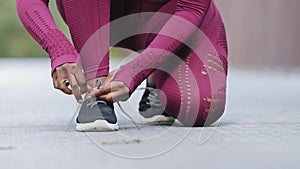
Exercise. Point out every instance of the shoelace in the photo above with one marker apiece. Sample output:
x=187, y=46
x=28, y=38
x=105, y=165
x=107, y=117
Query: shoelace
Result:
x=95, y=102
x=153, y=97
x=128, y=116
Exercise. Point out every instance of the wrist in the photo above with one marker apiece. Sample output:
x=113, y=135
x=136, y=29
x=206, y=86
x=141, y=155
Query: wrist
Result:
x=62, y=60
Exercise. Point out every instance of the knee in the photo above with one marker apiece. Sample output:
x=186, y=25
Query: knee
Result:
x=211, y=115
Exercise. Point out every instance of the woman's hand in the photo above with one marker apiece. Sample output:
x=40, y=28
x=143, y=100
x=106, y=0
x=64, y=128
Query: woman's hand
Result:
x=112, y=91
x=70, y=75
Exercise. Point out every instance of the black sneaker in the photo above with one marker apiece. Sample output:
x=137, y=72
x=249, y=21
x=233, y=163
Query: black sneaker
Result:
x=96, y=115
x=144, y=103
x=151, y=108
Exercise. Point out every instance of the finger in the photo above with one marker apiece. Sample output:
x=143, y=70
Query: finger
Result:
x=63, y=86
x=54, y=80
x=80, y=78
x=65, y=89
x=75, y=88
x=110, y=77
x=115, y=96
x=108, y=97
x=55, y=84
x=61, y=79
x=103, y=90
x=90, y=94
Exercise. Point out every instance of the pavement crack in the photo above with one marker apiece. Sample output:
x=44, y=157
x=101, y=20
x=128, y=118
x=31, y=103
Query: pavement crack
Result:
x=122, y=142
x=2, y=148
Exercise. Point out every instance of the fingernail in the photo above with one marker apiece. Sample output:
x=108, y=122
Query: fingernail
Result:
x=80, y=101
x=89, y=87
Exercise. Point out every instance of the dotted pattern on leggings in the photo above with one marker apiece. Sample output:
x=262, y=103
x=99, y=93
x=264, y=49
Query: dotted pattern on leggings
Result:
x=183, y=74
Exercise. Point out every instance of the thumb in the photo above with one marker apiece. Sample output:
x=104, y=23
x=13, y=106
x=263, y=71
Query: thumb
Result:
x=110, y=77
x=103, y=90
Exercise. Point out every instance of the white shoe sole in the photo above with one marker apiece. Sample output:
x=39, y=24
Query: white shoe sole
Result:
x=98, y=125
x=159, y=119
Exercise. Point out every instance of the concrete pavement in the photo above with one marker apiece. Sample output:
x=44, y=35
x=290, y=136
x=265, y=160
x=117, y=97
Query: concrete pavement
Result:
x=260, y=129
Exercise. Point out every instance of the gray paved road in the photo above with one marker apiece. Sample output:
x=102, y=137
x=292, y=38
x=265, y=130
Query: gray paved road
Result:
x=260, y=129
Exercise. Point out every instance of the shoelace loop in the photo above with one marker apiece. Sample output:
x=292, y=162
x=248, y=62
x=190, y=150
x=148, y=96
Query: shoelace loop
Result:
x=152, y=97
x=93, y=102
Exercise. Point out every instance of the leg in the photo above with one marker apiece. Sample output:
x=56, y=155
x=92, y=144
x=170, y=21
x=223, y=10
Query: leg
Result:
x=194, y=104
x=195, y=89
x=85, y=19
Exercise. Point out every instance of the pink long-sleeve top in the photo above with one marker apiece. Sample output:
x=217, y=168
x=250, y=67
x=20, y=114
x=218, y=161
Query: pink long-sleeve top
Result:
x=38, y=20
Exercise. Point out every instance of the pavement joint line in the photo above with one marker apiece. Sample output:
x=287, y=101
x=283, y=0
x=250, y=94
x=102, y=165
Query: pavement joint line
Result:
x=220, y=124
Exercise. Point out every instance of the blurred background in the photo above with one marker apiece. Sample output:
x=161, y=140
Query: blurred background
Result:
x=262, y=34
x=37, y=123
x=15, y=42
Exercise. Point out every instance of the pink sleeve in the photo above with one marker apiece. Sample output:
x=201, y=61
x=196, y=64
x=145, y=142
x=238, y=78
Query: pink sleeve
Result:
x=133, y=73
x=38, y=21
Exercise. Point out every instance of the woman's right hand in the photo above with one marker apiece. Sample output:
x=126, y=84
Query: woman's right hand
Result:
x=70, y=75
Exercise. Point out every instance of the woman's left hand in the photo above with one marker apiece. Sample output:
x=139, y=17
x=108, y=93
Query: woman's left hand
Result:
x=112, y=91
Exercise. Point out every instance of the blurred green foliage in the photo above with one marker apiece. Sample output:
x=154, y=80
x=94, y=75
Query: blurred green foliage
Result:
x=14, y=39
